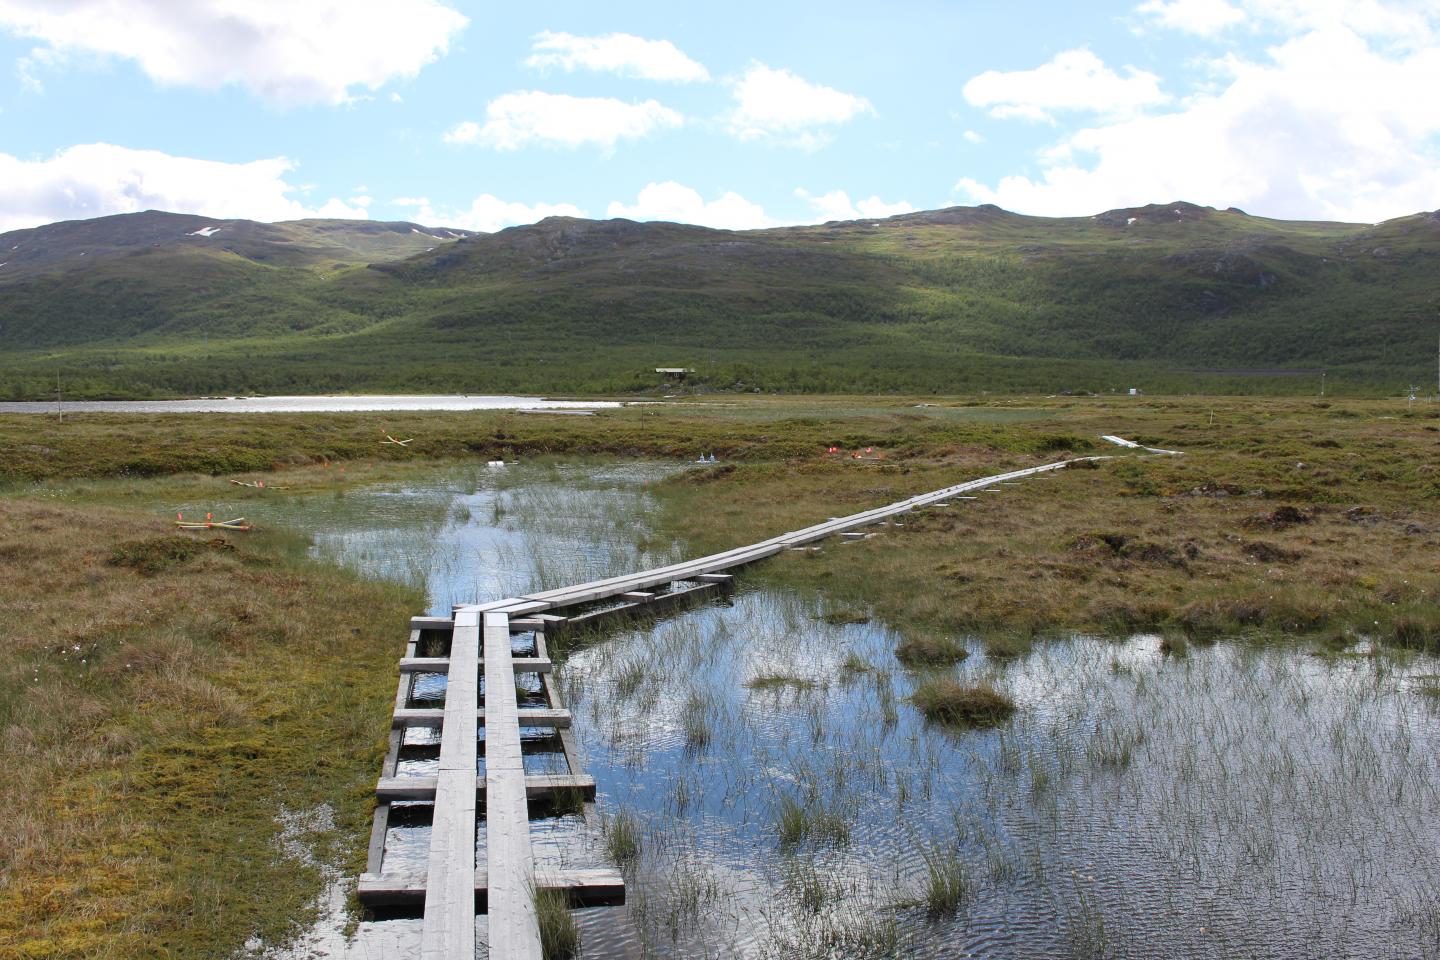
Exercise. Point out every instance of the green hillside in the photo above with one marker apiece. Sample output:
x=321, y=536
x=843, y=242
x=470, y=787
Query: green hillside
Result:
x=1163, y=297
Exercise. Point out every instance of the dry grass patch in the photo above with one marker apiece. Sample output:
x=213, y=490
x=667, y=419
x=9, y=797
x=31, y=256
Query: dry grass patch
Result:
x=1258, y=529
x=163, y=701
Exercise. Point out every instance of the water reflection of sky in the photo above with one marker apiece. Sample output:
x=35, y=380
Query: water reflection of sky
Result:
x=477, y=533
x=1241, y=801
x=1267, y=804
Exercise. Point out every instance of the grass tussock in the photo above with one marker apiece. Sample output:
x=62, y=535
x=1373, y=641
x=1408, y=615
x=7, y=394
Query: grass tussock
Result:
x=559, y=933
x=948, y=884
x=797, y=823
x=623, y=837
x=775, y=680
x=948, y=701
x=930, y=650
x=1174, y=645
x=1009, y=644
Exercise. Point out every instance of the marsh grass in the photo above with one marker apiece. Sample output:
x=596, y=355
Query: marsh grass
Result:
x=136, y=697
x=797, y=823
x=930, y=650
x=1174, y=645
x=623, y=837
x=947, y=881
x=1009, y=644
x=1086, y=935
x=1114, y=749
x=695, y=720
x=810, y=889
x=559, y=933
x=774, y=680
x=845, y=616
x=1007, y=567
x=946, y=700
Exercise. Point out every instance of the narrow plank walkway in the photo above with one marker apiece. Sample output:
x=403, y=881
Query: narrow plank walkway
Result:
x=481, y=634
x=514, y=931
x=450, y=882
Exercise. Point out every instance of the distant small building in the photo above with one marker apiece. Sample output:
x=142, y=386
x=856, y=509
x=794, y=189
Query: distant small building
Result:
x=674, y=373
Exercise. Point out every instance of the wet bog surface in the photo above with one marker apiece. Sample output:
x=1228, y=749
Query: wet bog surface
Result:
x=790, y=801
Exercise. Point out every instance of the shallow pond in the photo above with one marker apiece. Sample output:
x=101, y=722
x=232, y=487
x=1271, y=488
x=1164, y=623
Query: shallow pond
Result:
x=791, y=802
x=310, y=404
x=477, y=533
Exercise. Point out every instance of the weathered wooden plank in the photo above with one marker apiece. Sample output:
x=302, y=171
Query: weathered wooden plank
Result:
x=449, y=930
x=513, y=927
x=432, y=623
x=584, y=887
x=442, y=664
x=536, y=785
x=430, y=716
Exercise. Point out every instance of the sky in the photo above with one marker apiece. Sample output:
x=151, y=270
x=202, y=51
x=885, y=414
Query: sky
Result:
x=740, y=114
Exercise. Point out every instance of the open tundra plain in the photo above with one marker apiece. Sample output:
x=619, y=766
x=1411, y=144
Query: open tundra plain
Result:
x=1182, y=704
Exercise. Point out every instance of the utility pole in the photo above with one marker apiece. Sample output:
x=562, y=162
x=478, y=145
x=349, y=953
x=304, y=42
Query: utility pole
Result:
x=59, y=410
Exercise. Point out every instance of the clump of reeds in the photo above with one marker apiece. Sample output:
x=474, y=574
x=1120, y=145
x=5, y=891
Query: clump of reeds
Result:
x=1415, y=633
x=1174, y=645
x=695, y=720
x=559, y=934
x=947, y=700
x=797, y=822
x=947, y=884
x=808, y=887
x=775, y=680
x=1008, y=644
x=845, y=617
x=623, y=837
x=930, y=650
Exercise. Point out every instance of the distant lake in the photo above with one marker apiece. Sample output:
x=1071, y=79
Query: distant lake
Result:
x=348, y=404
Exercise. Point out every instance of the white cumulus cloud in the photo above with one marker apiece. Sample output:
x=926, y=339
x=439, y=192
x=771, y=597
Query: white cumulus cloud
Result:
x=622, y=53
x=836, y=205
x=676, y=202
x=777, y=105
x=97, y=179
x=518, y=119
x=315, y=51
x=1289, y=136
x=1073, y=80
x=486, y=213
x=1202, y=17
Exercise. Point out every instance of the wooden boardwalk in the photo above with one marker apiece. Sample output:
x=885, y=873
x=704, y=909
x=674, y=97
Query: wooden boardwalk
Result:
x=479, y=637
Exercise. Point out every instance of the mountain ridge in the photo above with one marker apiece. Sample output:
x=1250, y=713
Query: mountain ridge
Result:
x=952, y=299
